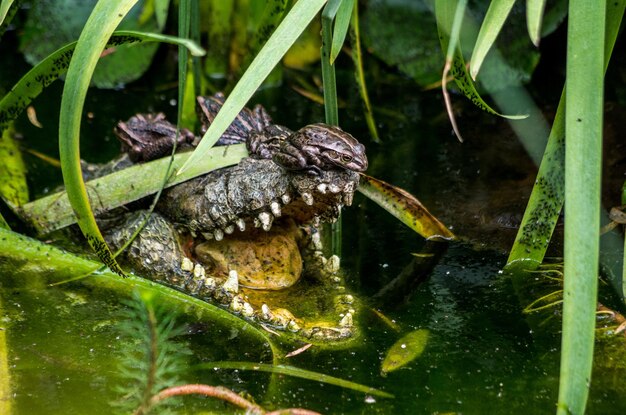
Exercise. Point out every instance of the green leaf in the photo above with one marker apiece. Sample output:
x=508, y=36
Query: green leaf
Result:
x=405, y=350
x=359, y=73
x=295, y=372
x=342, y=23
x=8, y=8
x=120, y=65
x=285, y=35
x=584, y=100
x=6, y=395
x=105, y=17
x=494, y=20
x=546, y=199
x=56, y=64
x=13, y=186
x=534, y=17
x=405, y=207
x=446, y=12
x=116, y=189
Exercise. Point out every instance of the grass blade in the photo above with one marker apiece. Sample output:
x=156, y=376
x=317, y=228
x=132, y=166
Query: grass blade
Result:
x=56, y=64
x=447, y=22
x=54, y=211
x=494, y=20
x=342, y=23
x=359, y=73
x=5, y=5
x=8, y=8
x=546, y=200
x=285, y=35
x=328, y=70
x=534, y=18
x=6, y=397
x=583, y=160
x=295, y=372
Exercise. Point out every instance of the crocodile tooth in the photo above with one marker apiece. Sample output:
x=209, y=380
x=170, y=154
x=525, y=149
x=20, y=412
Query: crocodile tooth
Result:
x=285, y=198
x=207, y=235
x=214, y=212
x=241, y=224
x=186, y=264
x=347, y=198
x=346, y=321
x=316, y=221
x=293, y=326
x=219, y=234
x=265, y=312
x=322, y=188
x=199, y=271
x=247, y=310
x=231, y=284
x=257, y=223
x=332, y=266
x=334, y=188
x=266, y=220
x=275, y=208
x=316, y=241
x=308, y=199
x=229, y=229
x=349, y=187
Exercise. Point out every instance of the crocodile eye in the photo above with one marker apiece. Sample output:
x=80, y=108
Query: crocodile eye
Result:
x=346, y=158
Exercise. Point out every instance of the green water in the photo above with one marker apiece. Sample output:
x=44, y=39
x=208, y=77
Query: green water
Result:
x=481, y=358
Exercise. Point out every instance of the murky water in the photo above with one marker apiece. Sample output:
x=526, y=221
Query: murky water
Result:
x=482, y=357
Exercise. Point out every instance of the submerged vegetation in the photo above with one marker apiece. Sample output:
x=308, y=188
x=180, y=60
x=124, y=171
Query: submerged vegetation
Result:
x=241, y=47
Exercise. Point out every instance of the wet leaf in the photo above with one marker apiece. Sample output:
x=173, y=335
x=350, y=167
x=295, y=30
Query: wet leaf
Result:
x=405, y=350
x=13, y=186
x=68, y=17
x=405, y=207
x=296, y=372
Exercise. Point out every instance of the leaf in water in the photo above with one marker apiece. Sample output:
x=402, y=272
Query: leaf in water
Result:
x=68, y=17
x=13, y=186
x=405, y=207
x=296, y=372
x=405, y=350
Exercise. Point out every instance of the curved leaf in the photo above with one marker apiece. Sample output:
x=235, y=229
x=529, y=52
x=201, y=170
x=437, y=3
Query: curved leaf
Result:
x=534, y=18
x=342, y=22
x=405, y=350
x=446, y=11
x=105, y=17
x=283, y=37
x=55, y=65
x=296, y=372
x=492, y=24
x=405, y=207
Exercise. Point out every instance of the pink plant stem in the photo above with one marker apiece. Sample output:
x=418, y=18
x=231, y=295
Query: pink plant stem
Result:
x=213, y=391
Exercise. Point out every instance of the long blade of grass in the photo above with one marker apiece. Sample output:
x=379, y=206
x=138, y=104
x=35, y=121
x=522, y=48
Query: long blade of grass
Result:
x=56, y=64
x=54, y=211
x=5, y=5
x=29, y=258
x=534, y=18
x=584, y=100
x=295, y=372
x=277, y=45
x=546, y=200
x=494, y=20
x=342, y=23
x=359, y=73
x=446, y=17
